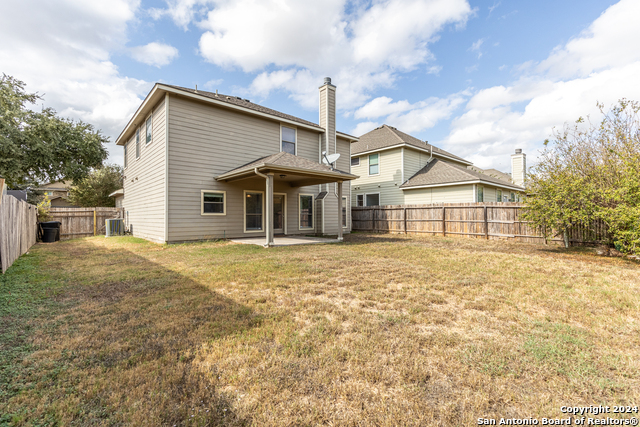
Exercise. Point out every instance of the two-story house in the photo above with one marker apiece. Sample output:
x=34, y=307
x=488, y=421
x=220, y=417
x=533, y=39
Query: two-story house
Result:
x=395, y=168
x=201, y=165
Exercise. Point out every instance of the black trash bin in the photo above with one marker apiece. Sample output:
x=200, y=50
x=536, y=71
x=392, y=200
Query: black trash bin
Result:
x=49, y=235
x=50, y=231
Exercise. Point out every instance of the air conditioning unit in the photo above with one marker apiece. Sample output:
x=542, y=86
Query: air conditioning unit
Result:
x=114, y=227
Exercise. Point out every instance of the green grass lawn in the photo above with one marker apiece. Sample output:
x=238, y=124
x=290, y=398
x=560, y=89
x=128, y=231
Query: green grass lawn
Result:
x=379, y=330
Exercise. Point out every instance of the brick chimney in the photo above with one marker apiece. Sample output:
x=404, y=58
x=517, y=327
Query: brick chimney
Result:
x=328, y=115
x=519, y=168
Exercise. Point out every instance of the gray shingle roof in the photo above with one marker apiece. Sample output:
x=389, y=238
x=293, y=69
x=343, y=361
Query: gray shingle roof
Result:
x=387, y=136
x=493, y=173
x=442, y=172
x=287, y=160
x=235, y=100
x=18, y=194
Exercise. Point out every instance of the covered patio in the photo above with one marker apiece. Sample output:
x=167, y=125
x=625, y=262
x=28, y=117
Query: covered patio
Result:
x=293, y=171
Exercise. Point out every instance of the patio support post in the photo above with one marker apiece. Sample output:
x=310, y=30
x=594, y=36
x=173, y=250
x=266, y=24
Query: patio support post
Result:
x=269, y=206
x=339, y=211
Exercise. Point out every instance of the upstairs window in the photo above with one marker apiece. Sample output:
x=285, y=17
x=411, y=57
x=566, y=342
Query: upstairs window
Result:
x=355, y=161
x=288, y=140
x=148, y=140
x=374, y=166
x=137, y=143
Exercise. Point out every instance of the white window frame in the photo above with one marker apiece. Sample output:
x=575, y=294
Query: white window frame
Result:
x=369, y=164
x=244, y=211
x=295, y=129
x=148, y=124
x=345, y=200
x=365, y=199
x=358, y=161
x=125, y=154
x=478, y=188
x=224, y=202
x=137, y=143
x=313, y=211
x=498, y=195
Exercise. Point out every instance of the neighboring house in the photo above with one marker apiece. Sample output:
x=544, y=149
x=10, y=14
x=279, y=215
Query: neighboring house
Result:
x=396, y=168
x=119, y=196
x=58, y=193
x=18, y=194
x=202, y=165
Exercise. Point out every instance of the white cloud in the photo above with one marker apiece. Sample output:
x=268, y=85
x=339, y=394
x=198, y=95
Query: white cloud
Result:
x=182, y=12
x=475, y=47
x=212, y=84
x=64, y=54
x=599, y=65
x=154, y=53
x=364, y=127
x=363, y=46
x=411, y=117
x=605, y=44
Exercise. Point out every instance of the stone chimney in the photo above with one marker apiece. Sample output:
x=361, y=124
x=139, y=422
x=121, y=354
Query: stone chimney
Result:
x=519, y=168
x=328, y=115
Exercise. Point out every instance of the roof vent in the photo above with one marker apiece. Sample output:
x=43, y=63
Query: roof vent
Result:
x=247, y=100
x=228, y=97
x=327, y=80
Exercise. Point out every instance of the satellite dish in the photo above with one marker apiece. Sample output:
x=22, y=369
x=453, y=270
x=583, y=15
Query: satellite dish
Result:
x=331, y=158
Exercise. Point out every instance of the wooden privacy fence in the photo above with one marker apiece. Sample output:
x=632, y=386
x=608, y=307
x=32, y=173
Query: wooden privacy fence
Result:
x=17, y=229
x=83, y=222
x=480, y=220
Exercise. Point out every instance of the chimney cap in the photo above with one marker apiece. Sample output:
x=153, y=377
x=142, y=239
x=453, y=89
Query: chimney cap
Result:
x=327, y=80
x=518, y=150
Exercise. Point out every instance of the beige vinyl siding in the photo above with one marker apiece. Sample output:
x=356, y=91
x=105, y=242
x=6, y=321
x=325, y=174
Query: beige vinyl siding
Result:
x=144, y=183
x=448, y=194
x=206, y=141
x=489, y=193
x=386, y=182
x=344, y=164
x=414, y=160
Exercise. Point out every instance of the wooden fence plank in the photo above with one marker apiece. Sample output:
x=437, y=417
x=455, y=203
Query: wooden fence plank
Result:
x=17, y=229
x=79, y=222
x=493, y=220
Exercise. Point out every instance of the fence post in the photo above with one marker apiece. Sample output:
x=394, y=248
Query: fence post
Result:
x=486, y=224
x=405, y=220
x=94, y=222
x=444, y=225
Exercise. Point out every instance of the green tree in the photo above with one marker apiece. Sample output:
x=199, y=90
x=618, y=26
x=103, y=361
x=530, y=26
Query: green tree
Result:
x=591, y=172
x=94, y=190
x=39, y=146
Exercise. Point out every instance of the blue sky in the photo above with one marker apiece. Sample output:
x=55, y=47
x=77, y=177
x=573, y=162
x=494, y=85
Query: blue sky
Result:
x=476, y=78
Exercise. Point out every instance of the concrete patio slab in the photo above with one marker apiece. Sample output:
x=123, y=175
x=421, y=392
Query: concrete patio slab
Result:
x=284, y=240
